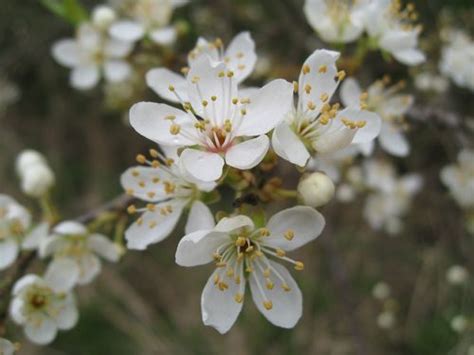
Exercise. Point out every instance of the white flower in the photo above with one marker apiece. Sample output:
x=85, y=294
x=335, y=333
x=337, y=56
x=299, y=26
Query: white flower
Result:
x=9, y=93
x=71, y=241
x=391, y=28
x=381, y=291
x=426, y=81
x=457, y=57
x=167, y=191
x=390, y=106
x=90, y=54
x=44, y=305
x=335, y=21
x=239, y=58
x=386, y=320
x=146, y=17
x=35, y=174
x=459, y=178
x=316, y=189
x=245, y=253
x=459, y=323
x=315, y=126
x=215, y=121
x=457, y=275
x=14, y=222
x=6, y=347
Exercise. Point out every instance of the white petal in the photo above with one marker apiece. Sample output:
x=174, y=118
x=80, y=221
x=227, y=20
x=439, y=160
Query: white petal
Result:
x=127, y=31
x=154, y=226
x=201, y=165
x=89, y=268
x=34, y=238
x=24, y=282
x=410, y=56
x=335, y=139
x=231, y=224
x=160, y=80
x=117, y=49
x=305, y=223
x=51, y=244
x=116, y=70
x=288, y=146
x=198, y=247
x=6, y=347
x=16, y=311
x=104, y=247
x=411, y=183
x=42, y=332
x=200, y=218
x=84, y=77
x=350, y=92
x=373, y=124
x=164, y=36
x=219, y=308
x=70, y=228
x=241, y=56
x=248, y=154
x=287, y=306
x=66, y=52
x=8, y=252
x=267, y=108
x=393, y=141
x=321, y=78
x=62, y=274
x=146, y=183
x=397, y=105
x=68, y=315
x=150, y=120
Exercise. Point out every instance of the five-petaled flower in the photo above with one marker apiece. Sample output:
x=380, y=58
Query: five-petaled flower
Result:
x=245, y=253
x=215, y=121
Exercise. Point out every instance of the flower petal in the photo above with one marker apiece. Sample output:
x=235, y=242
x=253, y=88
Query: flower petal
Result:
x=89, y=267
x=200, y=218
x=104, y=247
x=41, y=332
x=201, y=165
x=70, y=228
x=66, y=52
x=164, y=36
x=198, y=248
x=34, y=238
x=267, y=108
x=146, y=183
x=241, y=56
x=24, y=282
x=373, y=124
x=288, y=146
x=393, y=141
x=154, y=226
x=16, y=311
x=117, y=49
x=410, y=56
x=294, y=227
x=62, y=274
x=160, y=80
x=116, y=70
x=350, y=92
x=84, y=77
x=248, y=154
x=220, y=309
x=152, y=121
x=286, y=306
x=68, y=315
x=9, y=250
x=231, y=224
x=128, y=31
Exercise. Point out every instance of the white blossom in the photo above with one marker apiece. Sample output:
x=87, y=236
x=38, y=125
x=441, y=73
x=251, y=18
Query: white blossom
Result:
x=35, y=174
x=146, y=18
x=426, y=81
x=459, y=323
x=457, y=275
x=245, y=253
x=390, y=105
x=168, y=191
x=315, y=126
x=390, y=27
x=9, y=93
x=459, y=178
x=7, y=347
x=92, y=54
x=72, y=241
x=45, y=305
x=457, y=57
x=316, y=189
x=216, y=119
x=336, y=21
x=381, y=291
x=386, y=320
x=15, y=220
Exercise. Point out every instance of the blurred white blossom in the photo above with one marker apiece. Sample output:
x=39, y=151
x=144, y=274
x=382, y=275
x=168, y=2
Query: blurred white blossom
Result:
x=243, y=252
x=9, y=93
x=459, y=323
x=386, y=320
x=7, y=347
x=457, y=275
x=44, y=305
x=35, y=174
x=381, y=291
x=459, y=178
x=426, y=81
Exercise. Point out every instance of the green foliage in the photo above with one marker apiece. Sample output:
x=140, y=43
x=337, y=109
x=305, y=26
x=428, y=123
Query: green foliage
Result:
x=434, y=337
x=71, y=11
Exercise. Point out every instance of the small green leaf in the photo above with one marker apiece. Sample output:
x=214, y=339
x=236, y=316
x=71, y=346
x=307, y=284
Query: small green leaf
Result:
x=71, y=11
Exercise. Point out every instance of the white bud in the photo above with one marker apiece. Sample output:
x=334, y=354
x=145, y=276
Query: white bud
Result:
x=381, y=291
x=7, y=347
x=345, y=193
x=459, y=323
x=316, y=189
x=386, y=320
x=35, y=174
x=103, y=16
x=457, y=275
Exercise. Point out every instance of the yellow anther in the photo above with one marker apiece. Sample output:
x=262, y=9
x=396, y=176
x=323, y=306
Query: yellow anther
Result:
x=169, y=161
x=200, y=125
x=221, y=264
x=258, y=253
x=155, y=164
x=323, y=68
x=243, y=112
x=306, y=69
x=324, y=97
x=156, y=180
x=222, y=286
x=361, y=124
x=341, y=75
x=171, y=88
x=364, y=96
x=170, y=117
x=280, y=252
x=235, y=101
x=299, y=266
x=131, y=209
x=185, y=70
x=240, y=55
x=307, y=88
x=230, y=272
x=221, y=74
x=249, y=249
x=152, y=224
x=213, y=98
x=264, y=232
x=129, y=192
x=195, y=79
x=216, y=256
x=150, y=207
x=141, y=159
x=268, y=305
x=230, y=74
x=266, y=272
x=175, y=129
x=135, y=173
x=237, y=280
x=218, y=42
x=240, y=242
x=241, y=66
x=363, y=106
x=239, y=298
x=170, y=187
x=249, y=269
x=295, y=87
x=216, y=279
x=285, y=287
x=289, y=234
x=141, y=184
x=151, y=194
x=205, y=103
x=311, y=105
x=154, y=153
x=140, y=221
x=227, y=126
x=269, y=284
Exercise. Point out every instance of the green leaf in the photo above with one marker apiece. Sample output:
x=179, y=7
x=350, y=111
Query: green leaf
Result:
x=71, y=11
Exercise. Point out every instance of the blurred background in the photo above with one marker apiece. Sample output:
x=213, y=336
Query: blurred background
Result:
x=147, y=304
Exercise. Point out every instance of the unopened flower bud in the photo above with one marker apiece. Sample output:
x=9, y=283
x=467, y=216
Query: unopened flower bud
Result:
x=35, y=174
x=103, y=16
x=386, y=320
x=457, y=275
x=316, y=189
